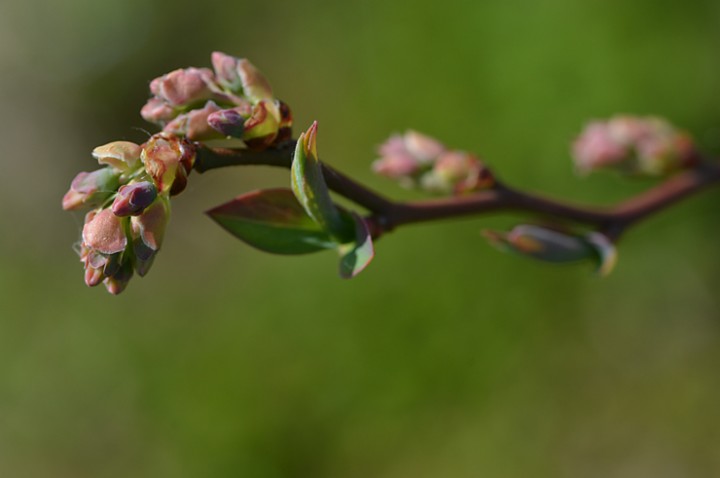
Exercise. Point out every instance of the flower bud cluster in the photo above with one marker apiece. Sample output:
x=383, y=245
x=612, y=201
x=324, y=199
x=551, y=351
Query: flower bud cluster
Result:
x=419, y=161
x=634, y=145
x=130, y=201
x=233, y=100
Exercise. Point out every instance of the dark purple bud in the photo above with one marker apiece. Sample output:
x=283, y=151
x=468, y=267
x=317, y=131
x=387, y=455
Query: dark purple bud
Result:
x=132, y=199
x=228, y=123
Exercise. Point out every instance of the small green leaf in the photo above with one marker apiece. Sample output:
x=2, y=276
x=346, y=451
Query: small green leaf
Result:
x=542, y=243
x=355, y=256
x=272, y=220
x=606, y=252
x=309, y=187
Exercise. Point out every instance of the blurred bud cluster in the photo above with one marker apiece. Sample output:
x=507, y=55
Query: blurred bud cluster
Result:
x=647, y=146
x=419, y=161
x=231, y=101
x=129, y=200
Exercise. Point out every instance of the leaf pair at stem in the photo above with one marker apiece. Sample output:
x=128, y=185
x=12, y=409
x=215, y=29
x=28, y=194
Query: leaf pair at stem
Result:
x=300, y=220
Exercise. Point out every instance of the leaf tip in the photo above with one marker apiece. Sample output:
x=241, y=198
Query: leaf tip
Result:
x=309, y=139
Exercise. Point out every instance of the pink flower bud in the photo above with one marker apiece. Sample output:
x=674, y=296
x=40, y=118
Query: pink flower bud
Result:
x=225, y=67
x=597, y=148
x=168, y=160
x=91, y=189
x=424, y=148
x=457, y=172
x=406, y=157
x=117, y=282
x=649, y=146
x=93, y=276
x=415, y=159
x=184, y=87
x=241, y=76
x=255, y=86
x=103, y=232
x=133, y=198
x=121, y=155
x=157, y=111
x=194, y=124
x=396, y=166
x=94, y=264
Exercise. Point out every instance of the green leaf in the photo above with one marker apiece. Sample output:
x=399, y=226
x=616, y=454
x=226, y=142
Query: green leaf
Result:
x=309, y=187
x=356, y=255
x=272, y=220
x=605, y=250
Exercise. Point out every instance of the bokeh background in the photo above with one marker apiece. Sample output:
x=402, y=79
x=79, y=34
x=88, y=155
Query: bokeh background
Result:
x=444, y=358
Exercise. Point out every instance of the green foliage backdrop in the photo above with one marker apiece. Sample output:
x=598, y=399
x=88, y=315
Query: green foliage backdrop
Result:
x=444, y=358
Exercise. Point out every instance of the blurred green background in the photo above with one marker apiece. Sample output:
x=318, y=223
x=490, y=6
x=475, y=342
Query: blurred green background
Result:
x=444, y=358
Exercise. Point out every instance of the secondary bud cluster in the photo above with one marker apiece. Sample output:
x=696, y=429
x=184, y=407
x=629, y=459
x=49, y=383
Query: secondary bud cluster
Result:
x=233, y=100
x=130, y=201
x=647, y=146
x=419, y=161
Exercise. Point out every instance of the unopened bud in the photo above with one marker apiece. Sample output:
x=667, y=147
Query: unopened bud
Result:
x=168, y=160
x=133, y=198
x=121, y=155
x=194, y=124
x=157, y=111
x=397, y=166
x=241, y=76
x=406, y=157
x=542, y=243
x=91, y=189
x=457, y=172
x=94, y=264
x=550, y=245
x=228, y=123
x=98, y=266
x=103, y=232
x=415, y=159
x=424, y=148
x=225, y=67
x=255, y=86
x=261, y=128
x=117, y=282
x=183, y=87
x=93, y=276
x=147, y=232
x=649, y=146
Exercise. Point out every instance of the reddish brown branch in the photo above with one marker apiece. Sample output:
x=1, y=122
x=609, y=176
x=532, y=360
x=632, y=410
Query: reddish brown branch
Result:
x=388, y=214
